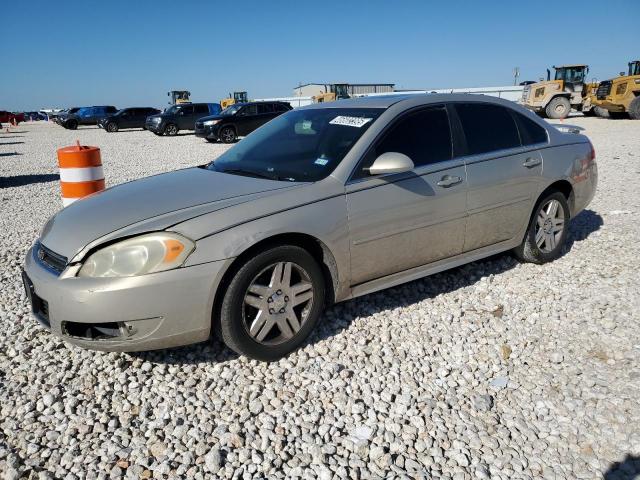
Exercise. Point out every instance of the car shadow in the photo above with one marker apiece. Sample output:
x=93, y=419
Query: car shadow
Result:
x=3, y=136
x=339, y=317
x=627, y=469
x=22, y=180
x=11, y=143
x=9, y=154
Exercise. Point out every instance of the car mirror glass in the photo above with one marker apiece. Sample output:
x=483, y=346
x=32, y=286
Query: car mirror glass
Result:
x=391, y=162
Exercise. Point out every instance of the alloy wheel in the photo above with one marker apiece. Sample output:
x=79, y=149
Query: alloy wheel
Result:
x=549, y=226
x=277, y=303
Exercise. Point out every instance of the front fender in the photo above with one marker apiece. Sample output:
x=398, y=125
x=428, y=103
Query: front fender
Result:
x=324, y=220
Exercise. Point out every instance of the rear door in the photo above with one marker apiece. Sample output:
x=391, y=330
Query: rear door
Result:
x=186, y=119
x=128, y=118
x=266, y=112
x=200, y=110
x=503, y=174
x=406, y=220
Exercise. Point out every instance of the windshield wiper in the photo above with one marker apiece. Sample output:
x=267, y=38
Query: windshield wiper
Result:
x=252, y=173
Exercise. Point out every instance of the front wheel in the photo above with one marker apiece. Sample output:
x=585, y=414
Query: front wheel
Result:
x=558, y=107
x=171, y=130
x=634, y=109
x=272, y=304
x=112, y=127
x=228, y=135
x=547, y=230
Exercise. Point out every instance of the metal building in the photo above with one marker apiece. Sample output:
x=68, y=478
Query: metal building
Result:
x=311, y=89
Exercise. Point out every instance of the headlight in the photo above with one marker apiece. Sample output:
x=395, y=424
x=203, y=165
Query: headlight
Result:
x=156, y=119
x=621, y=88
x=149, y=253
x=209, y=123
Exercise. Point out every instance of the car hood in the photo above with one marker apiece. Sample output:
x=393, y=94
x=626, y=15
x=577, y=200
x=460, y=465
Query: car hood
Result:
x=213, y=117
x=150, y=204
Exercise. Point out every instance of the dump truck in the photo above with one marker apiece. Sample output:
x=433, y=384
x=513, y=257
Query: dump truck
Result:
x=238, y=97
x=621, y=95
x=555, y=98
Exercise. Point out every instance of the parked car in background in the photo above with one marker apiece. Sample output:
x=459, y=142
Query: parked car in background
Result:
x=57, y=115
x=127, y=118
x=10, y=117
x=181, y=116
x=34, y=116
x=323, y=204
x=238, y=120
x=85, y=116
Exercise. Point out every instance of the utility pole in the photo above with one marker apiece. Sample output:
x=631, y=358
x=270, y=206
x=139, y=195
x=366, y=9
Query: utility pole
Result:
x=516, y=74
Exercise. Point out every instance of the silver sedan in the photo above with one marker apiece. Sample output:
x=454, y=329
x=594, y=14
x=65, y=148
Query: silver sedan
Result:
x=323, y=204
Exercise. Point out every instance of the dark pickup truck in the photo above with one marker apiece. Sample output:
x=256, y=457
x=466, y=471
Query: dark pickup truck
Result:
x=181, y=116
x=85, y=116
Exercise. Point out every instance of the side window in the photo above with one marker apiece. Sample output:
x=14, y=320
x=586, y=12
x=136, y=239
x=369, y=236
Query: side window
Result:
x=281, y=107
x=487, y=127
x=249, y=110
x=424, y=136
x=201, y=108
x=265, y=108
x=111, y=109
x=186, y=109
x=530, y=132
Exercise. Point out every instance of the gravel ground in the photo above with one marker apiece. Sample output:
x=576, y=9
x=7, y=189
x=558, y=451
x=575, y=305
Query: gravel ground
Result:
x=493, y=370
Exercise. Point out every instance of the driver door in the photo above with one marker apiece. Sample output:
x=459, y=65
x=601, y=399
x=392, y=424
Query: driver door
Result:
x=185, y=118
x=405, y=220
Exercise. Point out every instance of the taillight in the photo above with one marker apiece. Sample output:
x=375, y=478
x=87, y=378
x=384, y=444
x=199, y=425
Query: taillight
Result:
x=593, y=153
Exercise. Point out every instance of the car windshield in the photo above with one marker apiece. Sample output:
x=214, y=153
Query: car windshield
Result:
x=230, y=110
x=172, y=110
x=298, y=146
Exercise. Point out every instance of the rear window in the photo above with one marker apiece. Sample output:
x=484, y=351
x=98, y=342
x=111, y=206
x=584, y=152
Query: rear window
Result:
x=487, y=128
x=530, y=132
x=265, y=108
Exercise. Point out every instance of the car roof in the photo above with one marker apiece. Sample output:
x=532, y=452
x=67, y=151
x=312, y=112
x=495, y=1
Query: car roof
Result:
x=410, y=99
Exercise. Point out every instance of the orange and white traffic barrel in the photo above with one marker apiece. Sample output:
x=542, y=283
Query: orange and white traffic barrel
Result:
x=80, y=172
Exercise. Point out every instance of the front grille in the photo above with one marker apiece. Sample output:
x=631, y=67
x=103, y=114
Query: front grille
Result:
x=604, y=89
x=50, y=259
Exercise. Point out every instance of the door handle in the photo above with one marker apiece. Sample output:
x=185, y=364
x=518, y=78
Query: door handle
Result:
x=531, y=162
x=448, y=181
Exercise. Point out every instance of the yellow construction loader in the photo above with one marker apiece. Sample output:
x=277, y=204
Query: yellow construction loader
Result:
x=555, y=98
x=179, y=96
x=336, y=91
x=621, y=95
x=238, y=97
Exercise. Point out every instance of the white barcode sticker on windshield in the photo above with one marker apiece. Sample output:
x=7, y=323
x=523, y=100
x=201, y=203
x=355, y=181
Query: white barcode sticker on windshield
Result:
x=350, y=121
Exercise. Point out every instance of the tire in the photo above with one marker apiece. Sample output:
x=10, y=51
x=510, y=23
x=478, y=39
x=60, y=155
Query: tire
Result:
x=634, y=109
x=71, y=125
x=111, y=127
x=549, y=247
x=254, y=298
x=558, y=107
x=171, y=129
x=601, y=112
x=211, y=140
x=227, y=135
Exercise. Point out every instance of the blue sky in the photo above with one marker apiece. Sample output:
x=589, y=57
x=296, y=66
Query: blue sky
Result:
x=127, y=53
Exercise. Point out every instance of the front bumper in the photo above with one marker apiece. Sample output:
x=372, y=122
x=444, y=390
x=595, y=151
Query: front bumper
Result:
x=209, y=132
x=154, y=127
x=149, y=312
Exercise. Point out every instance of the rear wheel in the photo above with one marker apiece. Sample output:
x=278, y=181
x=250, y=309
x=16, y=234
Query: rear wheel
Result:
x=112, y=127
x=634, y=109
x=547, y=230
x=171, y=129
x=228, y=135
x=72, y=124
x=272, y=304
x=558, y=107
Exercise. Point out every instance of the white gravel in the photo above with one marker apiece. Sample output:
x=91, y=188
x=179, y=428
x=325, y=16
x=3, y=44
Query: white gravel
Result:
x=493, y=370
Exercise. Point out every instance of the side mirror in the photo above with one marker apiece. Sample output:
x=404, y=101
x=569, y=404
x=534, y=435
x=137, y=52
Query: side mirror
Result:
x=391, y=162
